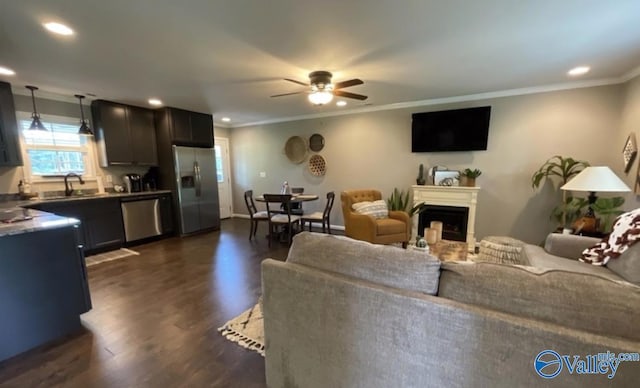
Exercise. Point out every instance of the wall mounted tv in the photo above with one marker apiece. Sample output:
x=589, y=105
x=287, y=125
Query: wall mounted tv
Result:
x=451, y=130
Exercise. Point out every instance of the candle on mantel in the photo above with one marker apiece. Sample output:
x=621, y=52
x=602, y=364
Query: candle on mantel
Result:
x=437, y=225
x=431, y=235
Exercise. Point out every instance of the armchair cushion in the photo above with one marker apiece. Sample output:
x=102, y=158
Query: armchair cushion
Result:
x=375, y=209
x=390, y=226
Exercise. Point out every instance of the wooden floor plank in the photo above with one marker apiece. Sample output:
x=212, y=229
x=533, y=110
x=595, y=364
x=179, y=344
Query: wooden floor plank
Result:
x=155, y=318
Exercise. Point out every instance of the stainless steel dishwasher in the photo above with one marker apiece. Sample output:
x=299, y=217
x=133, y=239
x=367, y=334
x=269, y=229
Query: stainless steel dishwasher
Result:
x=141, y=218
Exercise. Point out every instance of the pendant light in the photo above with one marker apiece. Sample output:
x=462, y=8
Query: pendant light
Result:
x=84, y=127
x=36, y=124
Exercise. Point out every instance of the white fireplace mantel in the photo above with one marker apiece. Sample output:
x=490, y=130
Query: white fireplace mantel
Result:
x=459, y=196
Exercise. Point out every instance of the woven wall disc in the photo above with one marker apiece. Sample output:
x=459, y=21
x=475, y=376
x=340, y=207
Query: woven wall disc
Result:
x=317, y=165
x=296, y=149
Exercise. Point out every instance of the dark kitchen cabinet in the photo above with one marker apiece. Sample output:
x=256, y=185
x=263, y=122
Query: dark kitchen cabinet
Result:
x=185, y=128
x=101, y=221
x=125, y=134
x=9, y=144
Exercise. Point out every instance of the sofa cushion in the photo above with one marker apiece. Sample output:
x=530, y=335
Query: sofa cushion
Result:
x=540, y=259
x=627, y=266
x=375, y=209
x=390, y=226
x=386, y=265
x=588, y=302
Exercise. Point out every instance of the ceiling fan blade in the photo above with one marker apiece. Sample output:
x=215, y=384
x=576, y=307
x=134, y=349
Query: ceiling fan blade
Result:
x=286, y=94
x=349, y=95
x=346, y=84
x=296, y=82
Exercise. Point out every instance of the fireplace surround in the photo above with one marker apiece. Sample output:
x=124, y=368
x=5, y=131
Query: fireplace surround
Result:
x=450, y=203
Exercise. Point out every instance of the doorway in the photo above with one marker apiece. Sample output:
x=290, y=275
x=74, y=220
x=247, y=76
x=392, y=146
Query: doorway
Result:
x=223, y=172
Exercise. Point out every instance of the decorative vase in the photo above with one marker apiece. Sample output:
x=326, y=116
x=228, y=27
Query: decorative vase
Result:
x=420, y=182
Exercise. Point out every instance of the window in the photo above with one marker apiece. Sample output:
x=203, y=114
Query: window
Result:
x=57, y=151
x=219, y=173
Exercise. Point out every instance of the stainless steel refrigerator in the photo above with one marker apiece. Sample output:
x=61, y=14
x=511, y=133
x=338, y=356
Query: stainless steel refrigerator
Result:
x=197, y=188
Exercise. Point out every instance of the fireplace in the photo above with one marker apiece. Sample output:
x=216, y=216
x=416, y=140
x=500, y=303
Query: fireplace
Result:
x=455, y=206
x=454, y=221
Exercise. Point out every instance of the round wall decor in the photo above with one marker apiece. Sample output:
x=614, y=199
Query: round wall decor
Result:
x=316, y=142
x=296, y=149
x=317, y=165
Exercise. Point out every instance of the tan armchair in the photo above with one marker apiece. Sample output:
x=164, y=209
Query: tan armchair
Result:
x=396, y=228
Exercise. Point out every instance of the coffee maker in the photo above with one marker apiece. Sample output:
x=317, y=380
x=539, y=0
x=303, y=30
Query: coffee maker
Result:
x=132, y=183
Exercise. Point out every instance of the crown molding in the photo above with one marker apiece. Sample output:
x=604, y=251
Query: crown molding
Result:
x=454, y=99
x=631, y=75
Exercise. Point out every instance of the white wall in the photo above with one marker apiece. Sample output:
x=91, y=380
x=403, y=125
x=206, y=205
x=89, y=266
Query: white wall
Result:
x=373, y=150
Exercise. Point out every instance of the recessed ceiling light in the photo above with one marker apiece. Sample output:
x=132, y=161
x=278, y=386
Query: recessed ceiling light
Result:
x=155, y=101
x=226, y=119
x=341, y=103
x=580, y=70
x=58, y=28
x=6, y=71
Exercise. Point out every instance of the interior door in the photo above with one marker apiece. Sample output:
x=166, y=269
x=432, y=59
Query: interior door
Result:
x=186, y=181
x=223, y=176
x=208, y=199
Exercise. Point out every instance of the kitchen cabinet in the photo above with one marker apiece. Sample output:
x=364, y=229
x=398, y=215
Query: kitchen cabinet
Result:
x=9, y=137
x=125, y=134
x=184, y=127
x=101, y=221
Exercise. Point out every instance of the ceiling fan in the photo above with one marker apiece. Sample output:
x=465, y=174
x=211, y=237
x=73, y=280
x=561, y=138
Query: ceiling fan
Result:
x=322, y=90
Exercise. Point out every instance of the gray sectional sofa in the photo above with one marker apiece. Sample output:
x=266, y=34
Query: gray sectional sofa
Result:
x=346, y=313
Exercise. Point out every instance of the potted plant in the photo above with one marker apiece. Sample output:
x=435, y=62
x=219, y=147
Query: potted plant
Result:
x=399, y=200
x=420, y=180
x=608, y=209
x=469, y=176
x=565, y=169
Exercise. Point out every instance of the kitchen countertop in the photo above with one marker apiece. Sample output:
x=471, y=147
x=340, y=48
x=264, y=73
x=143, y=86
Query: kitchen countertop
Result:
x=43, y=220
x=40, y=221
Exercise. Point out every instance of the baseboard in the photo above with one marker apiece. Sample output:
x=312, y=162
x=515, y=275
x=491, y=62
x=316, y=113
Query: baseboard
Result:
x=246, y=216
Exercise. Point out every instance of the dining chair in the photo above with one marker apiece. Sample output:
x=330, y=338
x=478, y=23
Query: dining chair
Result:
x=278, y=218
x=296, y=207
x=255, y=215
x=321, y=217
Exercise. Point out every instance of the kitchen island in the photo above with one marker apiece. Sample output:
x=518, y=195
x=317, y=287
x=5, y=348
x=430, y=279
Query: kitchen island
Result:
x=43, y=279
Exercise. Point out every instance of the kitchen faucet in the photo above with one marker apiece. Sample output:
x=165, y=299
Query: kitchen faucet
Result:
x=68, y=187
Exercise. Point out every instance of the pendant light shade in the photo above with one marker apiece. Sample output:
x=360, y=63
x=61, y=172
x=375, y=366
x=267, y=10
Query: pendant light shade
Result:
x=36, y=124
x=84, y=127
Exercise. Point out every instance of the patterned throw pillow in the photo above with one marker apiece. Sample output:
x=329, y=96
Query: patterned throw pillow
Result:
x=626, y=231
x=376, y=209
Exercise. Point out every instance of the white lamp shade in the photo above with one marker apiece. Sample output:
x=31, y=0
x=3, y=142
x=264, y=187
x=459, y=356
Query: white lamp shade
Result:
x=320, y=97
x=596, y=179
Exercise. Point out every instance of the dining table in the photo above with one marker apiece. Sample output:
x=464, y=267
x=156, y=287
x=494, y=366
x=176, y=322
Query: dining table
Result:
x=294, y=198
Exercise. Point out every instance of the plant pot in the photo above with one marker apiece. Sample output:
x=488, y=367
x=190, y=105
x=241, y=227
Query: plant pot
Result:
x=420, y=182
x=470, y=182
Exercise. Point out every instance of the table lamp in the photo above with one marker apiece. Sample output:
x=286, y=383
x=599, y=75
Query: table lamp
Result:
x=597, y=178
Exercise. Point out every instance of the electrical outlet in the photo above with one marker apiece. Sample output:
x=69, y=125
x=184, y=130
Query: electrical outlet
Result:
x=263, y=174
x=109, y=178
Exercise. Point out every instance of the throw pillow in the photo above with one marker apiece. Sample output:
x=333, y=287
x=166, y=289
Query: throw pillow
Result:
x=502, y=250
x=375, y=209
x=626, y=231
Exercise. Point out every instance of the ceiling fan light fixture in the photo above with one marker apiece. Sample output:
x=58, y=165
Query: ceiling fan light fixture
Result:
x=84, y=127
x=320, y=97
x=36, y=124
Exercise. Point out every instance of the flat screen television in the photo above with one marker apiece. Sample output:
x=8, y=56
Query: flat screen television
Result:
x=451, y=130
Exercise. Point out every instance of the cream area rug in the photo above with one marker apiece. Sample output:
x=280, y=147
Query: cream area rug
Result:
x=247, y=329
x=109, y=256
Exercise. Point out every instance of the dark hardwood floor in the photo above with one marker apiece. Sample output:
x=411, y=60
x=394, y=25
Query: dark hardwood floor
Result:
x=155, y=318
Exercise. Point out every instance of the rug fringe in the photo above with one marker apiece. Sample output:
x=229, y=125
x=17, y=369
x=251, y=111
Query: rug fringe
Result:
x=242, y=340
